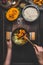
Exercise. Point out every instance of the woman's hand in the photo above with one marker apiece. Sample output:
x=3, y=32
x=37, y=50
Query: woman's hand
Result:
x=9, y=44
x=39, y=53
x=8, y=40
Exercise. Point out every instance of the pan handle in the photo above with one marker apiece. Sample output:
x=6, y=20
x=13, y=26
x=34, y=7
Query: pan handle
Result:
x=8, y=35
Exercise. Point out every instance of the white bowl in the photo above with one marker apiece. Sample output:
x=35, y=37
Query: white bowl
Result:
x=30, y=16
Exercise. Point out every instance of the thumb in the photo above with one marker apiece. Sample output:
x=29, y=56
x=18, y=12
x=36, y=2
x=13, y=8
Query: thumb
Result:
x=36, y=49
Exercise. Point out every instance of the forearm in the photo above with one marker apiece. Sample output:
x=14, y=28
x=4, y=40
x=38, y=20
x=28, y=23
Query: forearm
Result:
x=40, y=58
x=8, y=57
x=41, y=62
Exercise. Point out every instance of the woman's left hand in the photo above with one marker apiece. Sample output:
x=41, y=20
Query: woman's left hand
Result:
x=9, y=44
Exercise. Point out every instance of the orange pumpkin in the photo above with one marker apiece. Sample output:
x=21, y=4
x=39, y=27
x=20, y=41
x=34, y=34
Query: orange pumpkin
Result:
x=12, y=14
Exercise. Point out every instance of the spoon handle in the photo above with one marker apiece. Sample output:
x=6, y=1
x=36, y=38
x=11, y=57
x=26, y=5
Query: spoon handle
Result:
x=29, y=40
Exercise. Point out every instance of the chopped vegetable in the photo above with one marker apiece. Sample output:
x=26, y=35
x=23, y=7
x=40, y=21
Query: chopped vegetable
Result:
x=38, y=2
x=17, y=37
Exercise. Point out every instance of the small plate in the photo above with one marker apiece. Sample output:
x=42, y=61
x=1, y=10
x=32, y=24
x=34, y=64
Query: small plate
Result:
x=9, y=3
x=31, y=2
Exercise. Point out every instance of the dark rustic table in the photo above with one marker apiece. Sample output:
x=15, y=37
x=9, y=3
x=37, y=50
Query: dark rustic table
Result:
x=23, y=55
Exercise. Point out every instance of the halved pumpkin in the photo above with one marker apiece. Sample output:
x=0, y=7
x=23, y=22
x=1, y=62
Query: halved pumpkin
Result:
x=12, y=14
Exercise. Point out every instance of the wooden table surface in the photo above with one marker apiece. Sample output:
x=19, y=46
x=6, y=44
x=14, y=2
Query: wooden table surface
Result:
x=26, y=52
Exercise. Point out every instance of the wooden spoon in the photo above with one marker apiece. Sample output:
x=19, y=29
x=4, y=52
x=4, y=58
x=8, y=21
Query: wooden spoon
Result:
x=25, y=37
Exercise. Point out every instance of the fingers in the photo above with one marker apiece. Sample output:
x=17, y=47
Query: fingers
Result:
x=9, y=44
x=35, y=47
x=38, y=48
x=9, y=41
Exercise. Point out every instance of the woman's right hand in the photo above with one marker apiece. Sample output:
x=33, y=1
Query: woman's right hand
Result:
x=39, y=53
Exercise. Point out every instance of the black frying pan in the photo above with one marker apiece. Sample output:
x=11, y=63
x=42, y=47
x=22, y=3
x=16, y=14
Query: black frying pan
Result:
x=17, y=31
x=26, y=37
